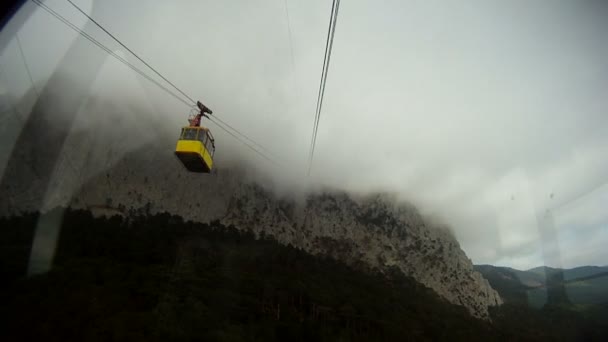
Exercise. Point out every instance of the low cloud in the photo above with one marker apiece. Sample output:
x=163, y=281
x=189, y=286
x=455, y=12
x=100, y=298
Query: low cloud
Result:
x=485, y=114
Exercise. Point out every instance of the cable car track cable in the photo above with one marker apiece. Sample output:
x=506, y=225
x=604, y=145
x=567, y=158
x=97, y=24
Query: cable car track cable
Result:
x=160, y=75
x=314, y=124
x=293, y=63
x=107, y=50
x=131, y=51
x=328, y=48
x=246, y=137
x=212, y=119
x=324, y=80
x=143, y=74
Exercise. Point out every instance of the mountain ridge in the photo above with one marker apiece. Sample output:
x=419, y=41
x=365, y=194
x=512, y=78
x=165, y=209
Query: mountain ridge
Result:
x=103, y=166
x=539, y=286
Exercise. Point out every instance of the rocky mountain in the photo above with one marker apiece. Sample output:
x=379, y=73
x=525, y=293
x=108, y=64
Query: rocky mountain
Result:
x=117, y=166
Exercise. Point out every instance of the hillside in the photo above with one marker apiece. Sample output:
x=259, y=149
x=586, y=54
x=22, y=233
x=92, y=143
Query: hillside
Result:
x=586, y=285
x=114, y=165
x=159, y=278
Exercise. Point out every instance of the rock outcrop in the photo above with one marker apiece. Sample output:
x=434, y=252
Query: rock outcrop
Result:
x=374, y=231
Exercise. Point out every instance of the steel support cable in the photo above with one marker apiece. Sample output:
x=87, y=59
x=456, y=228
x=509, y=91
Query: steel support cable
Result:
x=331, y=43
x=159, y=74
x=212, y=119
x=131, y=51
x=107, y=50
x=327, y=58
x=134, y=68
x=314, y=124
x=322, y=84
x=246, y=138
x=293, y=63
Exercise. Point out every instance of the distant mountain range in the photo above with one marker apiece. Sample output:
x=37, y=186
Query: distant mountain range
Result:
x=585, y=285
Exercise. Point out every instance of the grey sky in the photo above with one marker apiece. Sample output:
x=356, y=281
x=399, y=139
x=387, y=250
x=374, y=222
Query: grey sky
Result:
x=476, y=111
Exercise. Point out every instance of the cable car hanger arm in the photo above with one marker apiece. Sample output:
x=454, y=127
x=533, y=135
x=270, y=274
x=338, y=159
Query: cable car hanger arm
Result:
x=196, y=121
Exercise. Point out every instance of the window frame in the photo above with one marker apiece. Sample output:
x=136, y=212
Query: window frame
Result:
x=209, y=145
x=188, y=130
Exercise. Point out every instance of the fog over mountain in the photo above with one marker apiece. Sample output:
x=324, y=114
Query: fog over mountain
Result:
x=484, y=115
x=109, y=165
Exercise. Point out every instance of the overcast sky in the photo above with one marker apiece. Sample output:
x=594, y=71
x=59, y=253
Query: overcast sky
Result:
x=484, y=113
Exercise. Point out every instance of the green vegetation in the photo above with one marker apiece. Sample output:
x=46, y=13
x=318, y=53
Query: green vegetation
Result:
x=157, y=278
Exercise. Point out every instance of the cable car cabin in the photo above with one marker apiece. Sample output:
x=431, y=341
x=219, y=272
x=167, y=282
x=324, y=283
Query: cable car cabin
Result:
x=195, y=149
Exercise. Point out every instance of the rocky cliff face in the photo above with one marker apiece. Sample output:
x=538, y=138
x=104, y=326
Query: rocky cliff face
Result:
x=374, y=231
x=371, y=231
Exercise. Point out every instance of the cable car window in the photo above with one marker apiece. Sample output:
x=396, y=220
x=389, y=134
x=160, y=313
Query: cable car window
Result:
x=189, y=134
x=209, y=145
x=202, y=136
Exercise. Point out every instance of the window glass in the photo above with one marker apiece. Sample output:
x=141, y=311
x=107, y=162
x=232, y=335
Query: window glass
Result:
x=210, y=146
x=189, y=134
x=202, y=135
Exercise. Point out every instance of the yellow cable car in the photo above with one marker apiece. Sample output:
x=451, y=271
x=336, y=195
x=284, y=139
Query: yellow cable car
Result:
x=196, y=146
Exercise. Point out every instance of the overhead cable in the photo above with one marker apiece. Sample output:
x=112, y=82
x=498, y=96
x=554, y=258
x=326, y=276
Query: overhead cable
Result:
x=158, y=73
x=143, y=74
x=131, y=51
x=328, y=48
x=107, y=50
